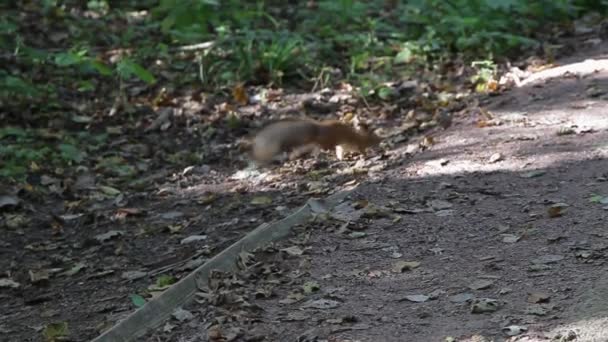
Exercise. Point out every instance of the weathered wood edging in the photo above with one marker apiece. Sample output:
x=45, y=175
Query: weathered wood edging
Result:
x=160, y=308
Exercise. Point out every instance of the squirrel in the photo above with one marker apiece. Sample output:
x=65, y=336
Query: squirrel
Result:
x=299, y=136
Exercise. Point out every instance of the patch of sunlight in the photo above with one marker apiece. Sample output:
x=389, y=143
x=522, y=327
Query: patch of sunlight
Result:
x=459, y=164
x=583, y=68
x=587, y=330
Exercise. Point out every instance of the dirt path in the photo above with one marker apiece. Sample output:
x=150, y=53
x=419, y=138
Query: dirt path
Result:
x=494, y=231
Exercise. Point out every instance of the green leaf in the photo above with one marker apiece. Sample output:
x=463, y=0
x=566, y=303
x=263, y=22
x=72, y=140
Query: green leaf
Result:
x=595, y=198
x=165, y=280
x=75, y=269
x=55, y=331
x=85, y=86
x=386, y=93
x=81, y=118
x=117, y=166
x=599, y=199
x=7, y=27
x=404, y=56
x=127, y=68
x=64, y=59
x=12, y=131
x=261, y=200
x=108, y=190
x=101, y=68
x=17, y=85
x=310, y=287
x=71, y=153
x=137, y=300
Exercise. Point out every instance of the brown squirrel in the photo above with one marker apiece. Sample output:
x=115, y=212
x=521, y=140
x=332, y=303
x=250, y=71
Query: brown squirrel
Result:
x=299, y=136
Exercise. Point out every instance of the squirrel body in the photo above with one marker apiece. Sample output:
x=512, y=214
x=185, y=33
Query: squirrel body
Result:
x=300, y=135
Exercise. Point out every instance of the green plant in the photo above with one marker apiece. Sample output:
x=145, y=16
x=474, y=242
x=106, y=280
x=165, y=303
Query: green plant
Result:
x=485, y=72
x=21, y=148
x=484, y=26
x=270, y=59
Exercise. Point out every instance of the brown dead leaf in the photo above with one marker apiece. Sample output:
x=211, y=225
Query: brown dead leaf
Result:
x=360, y=204
x=214, y=334
x=56, y=225
x=239, y=94
x=492, y=85
x=482, y=123
x=427, y=141
x=207, y=199
x=486, y=113
x=556, y=210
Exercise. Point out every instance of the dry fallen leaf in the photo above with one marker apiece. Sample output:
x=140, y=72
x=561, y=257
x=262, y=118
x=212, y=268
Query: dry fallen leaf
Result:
x=440, y=205
x=492, y=85
x=8, y=201
x=481, y=284
x=9, y=283
x=240, y=94
x=39, y=276
x=401, y=266
x=496, y=157
x=513, y=330
x=482, y=305
x=193, y=238
x=510, y=238
x=261, y=200
x=418, y=298
x=293, y=297
x=538, y=297
x=427, y=141
x=293, y=251
x=109, y=235
x=556, y=210
x=182, y=315
x=310, y=287
x=536, y=310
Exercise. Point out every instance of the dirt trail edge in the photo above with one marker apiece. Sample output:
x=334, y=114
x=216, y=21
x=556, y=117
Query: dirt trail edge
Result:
x=157, y=310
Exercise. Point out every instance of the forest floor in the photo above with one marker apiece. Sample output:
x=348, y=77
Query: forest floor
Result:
x=492, y=227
